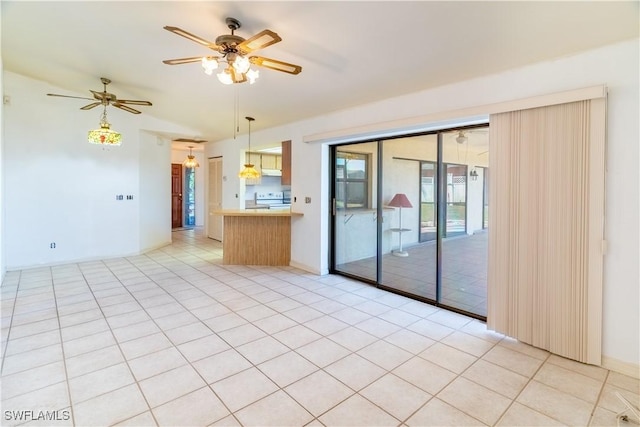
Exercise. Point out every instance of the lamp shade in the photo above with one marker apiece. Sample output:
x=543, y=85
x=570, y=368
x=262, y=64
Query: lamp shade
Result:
x=400, y=201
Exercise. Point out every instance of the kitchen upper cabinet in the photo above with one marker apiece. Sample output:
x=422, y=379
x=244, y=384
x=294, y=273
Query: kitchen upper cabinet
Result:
x=286, y=163
x=269, y=161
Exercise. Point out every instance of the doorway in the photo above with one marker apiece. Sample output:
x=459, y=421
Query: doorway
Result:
x=176, y=195
x=408, y=216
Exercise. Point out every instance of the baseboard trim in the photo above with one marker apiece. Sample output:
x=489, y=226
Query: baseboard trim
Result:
x=626, y=368
x=305, y=267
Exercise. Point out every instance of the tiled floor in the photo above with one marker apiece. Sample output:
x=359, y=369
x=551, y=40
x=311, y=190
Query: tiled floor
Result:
x=176, y=338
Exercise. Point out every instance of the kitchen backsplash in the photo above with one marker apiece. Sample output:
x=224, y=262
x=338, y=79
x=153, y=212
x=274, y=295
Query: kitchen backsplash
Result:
x=269, y=184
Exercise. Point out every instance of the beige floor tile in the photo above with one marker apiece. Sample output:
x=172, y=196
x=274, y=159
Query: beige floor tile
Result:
x=186, y=333
x=399, y=317
x=287, y=368
x=385, y=355
x=377, y=327
x=34, y=328
x=84, y=329
x=240, y=334
x=145, y=345
x=203, y=347
x=318, y=392
x=479, y=329
x=275, y=323
x=591, y=371
x=234, y=391
x=303, y=314
x=410, y=341
x=425, y=375
x=49, y=398
x=221, y=365
x=138, y=330
x=604, y=418
x=323, y=352
x=496, y=378
x=429, y=329
x=33, y=379
x=624, y=381
x=513, y=360
x=262, y=349
x=144, y=419
x=450, y=319
x=355, y=371
x=80, y=317
x=325, y=325
x=475, y=400
x=438, y=413
x=571, y=382
x=468, y=343
x=110, y=408
x=229, y=421
x=396, y=396
x=556, y=404
x=170, y=385
x=155, y=363
x=520, y=415
x=297, y=336
x=610, y=400
x=176, y=320
x=448, y=357
x=198, y=408
x=515, y=345
x=89, y=343
x=373, y=308
x=32, y=359
x=277, y=409
x=257, y=312
x=357, y=411
x=352, y=338
x=20, y=345
x=99, y=382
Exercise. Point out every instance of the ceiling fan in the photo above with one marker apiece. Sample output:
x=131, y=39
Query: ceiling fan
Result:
x=105, y=98
x=234, y=50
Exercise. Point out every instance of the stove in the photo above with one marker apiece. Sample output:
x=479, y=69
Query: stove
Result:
x=275, y=200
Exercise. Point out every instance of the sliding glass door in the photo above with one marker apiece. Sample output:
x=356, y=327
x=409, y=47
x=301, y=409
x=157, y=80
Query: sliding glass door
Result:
x=409, y=215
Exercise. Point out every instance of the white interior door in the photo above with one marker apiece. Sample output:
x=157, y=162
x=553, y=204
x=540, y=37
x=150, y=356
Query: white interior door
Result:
x=214, y=228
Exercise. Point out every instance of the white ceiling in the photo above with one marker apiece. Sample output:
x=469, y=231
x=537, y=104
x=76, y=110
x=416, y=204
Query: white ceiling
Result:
x=350, y=52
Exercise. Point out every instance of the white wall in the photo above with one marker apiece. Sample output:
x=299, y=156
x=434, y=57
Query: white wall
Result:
x=3, y=268
x=155, y=192
x=60, y=189
x=615, y=65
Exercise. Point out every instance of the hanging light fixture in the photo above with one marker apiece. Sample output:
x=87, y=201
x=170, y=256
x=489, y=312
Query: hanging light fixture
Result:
x=190, y=161
x=461, y=139
x=249, y=172
x=104, y=135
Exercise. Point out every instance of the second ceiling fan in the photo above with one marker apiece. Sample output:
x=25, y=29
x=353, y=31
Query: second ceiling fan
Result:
x=234, y=50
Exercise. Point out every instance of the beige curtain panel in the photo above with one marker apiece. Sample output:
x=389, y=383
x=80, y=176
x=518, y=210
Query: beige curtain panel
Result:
x=546, y=227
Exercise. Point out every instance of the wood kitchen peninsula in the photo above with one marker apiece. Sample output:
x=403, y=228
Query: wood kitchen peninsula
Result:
x=256, y=236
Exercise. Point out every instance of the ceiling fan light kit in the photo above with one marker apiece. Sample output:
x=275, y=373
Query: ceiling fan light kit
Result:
x=104, y=135
x=234, y=50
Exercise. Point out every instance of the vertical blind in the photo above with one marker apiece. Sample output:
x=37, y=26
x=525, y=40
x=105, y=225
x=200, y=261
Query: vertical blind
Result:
x=546, y=227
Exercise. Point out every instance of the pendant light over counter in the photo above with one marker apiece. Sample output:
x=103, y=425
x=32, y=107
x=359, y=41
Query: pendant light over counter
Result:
x=249, y=172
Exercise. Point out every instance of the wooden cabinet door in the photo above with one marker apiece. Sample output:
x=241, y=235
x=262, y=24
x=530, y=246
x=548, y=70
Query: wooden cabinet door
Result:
x=286, y=162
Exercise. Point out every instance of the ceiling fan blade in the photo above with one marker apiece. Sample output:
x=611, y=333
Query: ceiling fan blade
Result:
x=132, y=102
x=193, y=37
x=125, y=108
x=90, y=106
x=98, y=95
x=259, y=41
x=182, y=60
x=67, y=96
x=274, y=64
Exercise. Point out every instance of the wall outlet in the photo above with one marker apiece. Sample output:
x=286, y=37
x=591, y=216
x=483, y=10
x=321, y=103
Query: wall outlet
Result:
x=307, y=199
x=52, y=245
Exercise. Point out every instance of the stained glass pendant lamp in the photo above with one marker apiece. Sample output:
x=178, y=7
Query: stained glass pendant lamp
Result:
x=190, y=161
x=249, y=172
x=104, y=135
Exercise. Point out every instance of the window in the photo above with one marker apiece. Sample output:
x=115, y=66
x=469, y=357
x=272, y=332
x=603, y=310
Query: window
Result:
x=352, y=178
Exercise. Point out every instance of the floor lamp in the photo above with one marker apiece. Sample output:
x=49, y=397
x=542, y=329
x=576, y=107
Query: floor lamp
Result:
x=400, y=201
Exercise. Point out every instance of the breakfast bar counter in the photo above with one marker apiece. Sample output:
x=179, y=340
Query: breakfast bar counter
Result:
x=256, y=236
